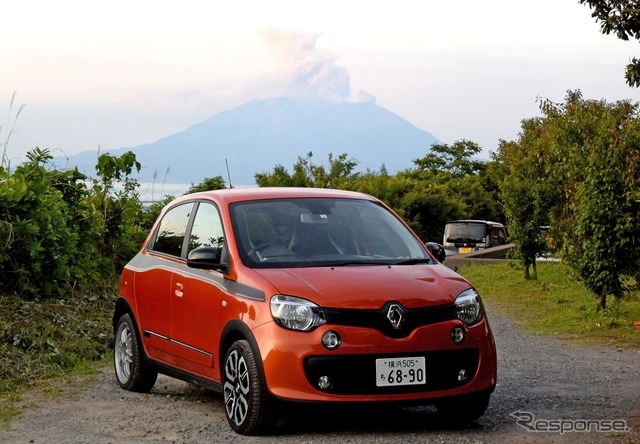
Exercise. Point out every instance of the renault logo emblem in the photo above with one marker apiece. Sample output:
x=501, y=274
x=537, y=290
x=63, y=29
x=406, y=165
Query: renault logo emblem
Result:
x=395, y=316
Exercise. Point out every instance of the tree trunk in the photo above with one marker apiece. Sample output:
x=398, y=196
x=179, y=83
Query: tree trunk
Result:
x=535, y=269
x=601, y=301
x=527, y=276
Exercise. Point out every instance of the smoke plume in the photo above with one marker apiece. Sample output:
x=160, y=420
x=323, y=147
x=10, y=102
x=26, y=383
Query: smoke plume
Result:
x=308, y=71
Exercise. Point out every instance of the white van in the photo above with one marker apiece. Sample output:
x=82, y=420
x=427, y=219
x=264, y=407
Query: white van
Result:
x=466, y=236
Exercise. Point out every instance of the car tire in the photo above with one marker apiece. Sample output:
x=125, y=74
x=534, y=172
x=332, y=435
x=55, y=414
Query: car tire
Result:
x=133, y=372
x=464, y=409
x=247, y=409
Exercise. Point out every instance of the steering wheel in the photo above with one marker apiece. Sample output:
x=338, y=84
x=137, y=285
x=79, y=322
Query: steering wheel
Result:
x=255, y=251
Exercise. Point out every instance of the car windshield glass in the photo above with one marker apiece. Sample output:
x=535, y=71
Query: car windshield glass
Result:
x=313, y=232
x=470, y=232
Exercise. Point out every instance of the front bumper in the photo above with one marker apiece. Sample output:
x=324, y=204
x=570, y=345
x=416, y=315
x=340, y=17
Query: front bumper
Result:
x=352, y=375
x=294, y=361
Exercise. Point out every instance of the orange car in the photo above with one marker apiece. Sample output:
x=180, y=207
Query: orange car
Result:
x=285, y=294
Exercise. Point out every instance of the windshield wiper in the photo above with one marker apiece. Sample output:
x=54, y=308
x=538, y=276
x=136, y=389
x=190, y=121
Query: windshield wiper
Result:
x=348, y=263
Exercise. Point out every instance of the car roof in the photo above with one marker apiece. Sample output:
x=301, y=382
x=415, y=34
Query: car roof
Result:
x=475, y=221
x=228, y=196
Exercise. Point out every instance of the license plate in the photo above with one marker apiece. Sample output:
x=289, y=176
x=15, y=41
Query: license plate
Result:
x=392, y=372
x=464, y=250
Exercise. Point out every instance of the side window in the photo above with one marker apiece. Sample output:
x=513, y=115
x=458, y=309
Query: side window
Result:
x=172, y=230
x=498, y=235
x=207, y=229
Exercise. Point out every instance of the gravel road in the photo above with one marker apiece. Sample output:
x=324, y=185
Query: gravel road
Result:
x=551, y=380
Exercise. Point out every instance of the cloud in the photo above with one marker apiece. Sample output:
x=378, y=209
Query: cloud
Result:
x=308, y=71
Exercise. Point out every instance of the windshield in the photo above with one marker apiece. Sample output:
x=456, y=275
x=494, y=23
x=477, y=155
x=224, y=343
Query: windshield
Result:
x=283, y=233
x=469, y=232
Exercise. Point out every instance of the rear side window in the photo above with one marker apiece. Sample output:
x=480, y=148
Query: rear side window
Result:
x=171, y=232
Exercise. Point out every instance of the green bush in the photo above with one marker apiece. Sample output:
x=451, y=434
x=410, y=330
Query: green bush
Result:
x=40, y=229
x=57, y=234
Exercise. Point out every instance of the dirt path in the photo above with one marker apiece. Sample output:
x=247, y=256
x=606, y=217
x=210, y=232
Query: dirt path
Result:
x=550, y=381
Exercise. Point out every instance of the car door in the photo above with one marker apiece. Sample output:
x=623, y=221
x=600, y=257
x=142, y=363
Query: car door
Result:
x=154, y=277
x=197, y=296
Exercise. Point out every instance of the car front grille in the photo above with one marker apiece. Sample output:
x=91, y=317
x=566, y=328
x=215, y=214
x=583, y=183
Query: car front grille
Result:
x=379, y=320
x=355, y=374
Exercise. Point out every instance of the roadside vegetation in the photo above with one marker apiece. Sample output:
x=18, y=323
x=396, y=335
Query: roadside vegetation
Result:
x=557, y=304
x=45, y=339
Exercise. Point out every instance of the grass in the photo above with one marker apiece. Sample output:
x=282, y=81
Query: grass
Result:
x=556, y=304
x=47, y=339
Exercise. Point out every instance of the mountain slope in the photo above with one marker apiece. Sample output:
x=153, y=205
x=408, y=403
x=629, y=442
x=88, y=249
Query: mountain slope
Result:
x=256, y=136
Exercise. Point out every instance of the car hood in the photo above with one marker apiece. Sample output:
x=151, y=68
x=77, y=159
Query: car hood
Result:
x=369, y=287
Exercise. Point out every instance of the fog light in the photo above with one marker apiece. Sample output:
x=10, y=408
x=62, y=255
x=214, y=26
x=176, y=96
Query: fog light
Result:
x=331, y=340
x=324, y=382
x=462, y=375
x=458, y=335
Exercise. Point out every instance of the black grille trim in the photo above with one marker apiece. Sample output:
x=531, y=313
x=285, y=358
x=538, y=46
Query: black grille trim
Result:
x=355, y=374
x=377, y=319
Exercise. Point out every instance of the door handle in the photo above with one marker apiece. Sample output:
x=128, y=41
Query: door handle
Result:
x=179, y=290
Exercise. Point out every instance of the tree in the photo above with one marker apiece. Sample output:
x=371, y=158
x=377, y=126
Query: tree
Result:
x=446, y=184
x=528, y=192
x=209, y=183
x=578, y=166
x=339, y=175
x=622, y=18
x=425, y=205
x=455, y=159
x=121, y=210
x=601, y=208
x=461, y=182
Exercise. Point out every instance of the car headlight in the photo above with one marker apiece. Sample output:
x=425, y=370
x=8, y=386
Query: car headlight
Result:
x=296, y=313
x=468, y=307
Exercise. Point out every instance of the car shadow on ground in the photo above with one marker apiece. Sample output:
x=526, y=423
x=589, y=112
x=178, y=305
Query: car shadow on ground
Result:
x=298, y=419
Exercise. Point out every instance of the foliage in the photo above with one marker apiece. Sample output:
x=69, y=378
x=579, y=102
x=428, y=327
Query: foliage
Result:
x=40, y=340
x=601, y=187
x=425, y=205
x=446, y=184
x=455, y=186
x=455, y=159
x=120, y=211
x=208, y=183
x=41, y=232
x=339, y=174
x=527, y=192
x=622, y=18
x=578, y=168
x=56, y=233
x=557, y=305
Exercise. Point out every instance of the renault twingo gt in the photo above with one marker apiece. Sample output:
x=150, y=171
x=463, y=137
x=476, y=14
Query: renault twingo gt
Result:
x=285, y=294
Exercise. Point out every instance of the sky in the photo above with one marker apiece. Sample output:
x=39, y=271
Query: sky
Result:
x=106, y=75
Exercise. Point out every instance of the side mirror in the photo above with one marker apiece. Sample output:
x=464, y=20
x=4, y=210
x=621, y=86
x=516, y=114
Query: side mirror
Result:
x=437, y=250
x=205, y=258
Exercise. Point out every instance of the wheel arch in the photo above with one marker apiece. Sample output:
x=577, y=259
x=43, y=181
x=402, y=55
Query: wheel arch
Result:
x=123, y=307
x=236, y=330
